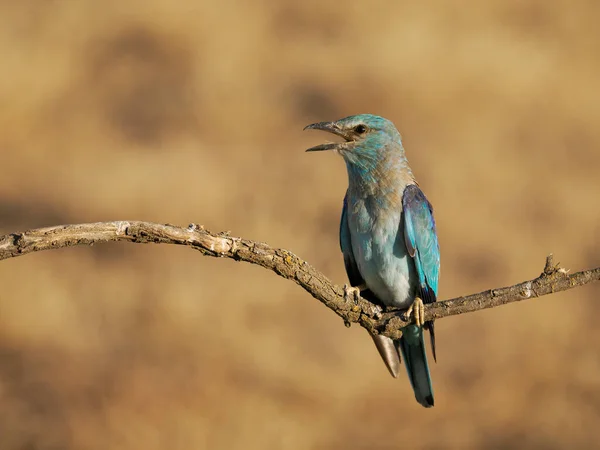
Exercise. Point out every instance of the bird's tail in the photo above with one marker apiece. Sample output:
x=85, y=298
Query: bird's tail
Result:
x=412, y=347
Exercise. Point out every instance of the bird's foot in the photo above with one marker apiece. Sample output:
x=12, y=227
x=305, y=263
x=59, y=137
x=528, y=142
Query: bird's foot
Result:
x=352, y=293
x=416, y=310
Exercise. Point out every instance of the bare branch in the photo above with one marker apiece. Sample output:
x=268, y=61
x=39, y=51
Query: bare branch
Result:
x=286, y=264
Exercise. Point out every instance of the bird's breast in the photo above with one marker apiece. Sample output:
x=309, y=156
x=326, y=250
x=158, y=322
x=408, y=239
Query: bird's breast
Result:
x=379, y=250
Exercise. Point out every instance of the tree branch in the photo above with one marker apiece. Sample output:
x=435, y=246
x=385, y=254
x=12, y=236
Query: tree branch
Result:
x=286, y=264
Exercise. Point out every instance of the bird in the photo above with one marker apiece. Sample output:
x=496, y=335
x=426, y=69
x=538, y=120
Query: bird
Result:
x=388, y=238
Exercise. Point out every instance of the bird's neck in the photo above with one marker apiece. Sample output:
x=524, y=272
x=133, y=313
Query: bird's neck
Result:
x=379, y=177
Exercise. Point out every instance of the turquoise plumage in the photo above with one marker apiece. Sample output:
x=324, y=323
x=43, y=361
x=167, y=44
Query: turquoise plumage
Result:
x=388, y=237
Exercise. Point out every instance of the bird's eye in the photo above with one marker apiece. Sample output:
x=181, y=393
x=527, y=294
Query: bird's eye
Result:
x=360, y=129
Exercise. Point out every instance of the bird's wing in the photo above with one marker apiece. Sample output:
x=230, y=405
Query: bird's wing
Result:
x=385, y=346
x=422, y=245
x=354, y=275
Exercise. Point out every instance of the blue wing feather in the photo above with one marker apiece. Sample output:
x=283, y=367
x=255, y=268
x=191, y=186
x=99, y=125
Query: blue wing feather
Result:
x=354, y=275
x=421, y=238
x=422, y=244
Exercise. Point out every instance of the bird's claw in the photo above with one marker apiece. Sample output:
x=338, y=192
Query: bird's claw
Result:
x=417, y=311
x=351, y=293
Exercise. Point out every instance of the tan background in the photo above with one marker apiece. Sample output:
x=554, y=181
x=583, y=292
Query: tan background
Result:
x=189, y=111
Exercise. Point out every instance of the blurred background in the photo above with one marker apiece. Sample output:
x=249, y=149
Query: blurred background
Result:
x=192, y=111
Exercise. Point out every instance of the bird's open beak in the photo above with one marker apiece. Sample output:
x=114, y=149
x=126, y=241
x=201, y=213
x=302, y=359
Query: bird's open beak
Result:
x=330, y=127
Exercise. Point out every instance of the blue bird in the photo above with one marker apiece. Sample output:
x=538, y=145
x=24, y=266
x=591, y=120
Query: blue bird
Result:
x=388, y=238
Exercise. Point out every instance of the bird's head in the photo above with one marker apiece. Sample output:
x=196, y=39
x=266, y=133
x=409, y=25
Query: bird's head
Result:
x=365, y=137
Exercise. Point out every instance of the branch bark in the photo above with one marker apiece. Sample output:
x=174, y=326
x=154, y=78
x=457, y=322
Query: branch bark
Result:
x=286, y=264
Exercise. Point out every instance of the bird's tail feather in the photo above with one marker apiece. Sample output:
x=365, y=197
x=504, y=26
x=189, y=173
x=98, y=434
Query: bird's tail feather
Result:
x=389, y=353
x=412, y=347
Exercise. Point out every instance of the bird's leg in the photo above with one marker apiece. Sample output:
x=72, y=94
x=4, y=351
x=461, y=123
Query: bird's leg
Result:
x=417, y=310
x=353, y=292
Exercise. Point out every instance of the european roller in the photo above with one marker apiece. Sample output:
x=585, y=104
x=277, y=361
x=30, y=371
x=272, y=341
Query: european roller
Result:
x=388, y=238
